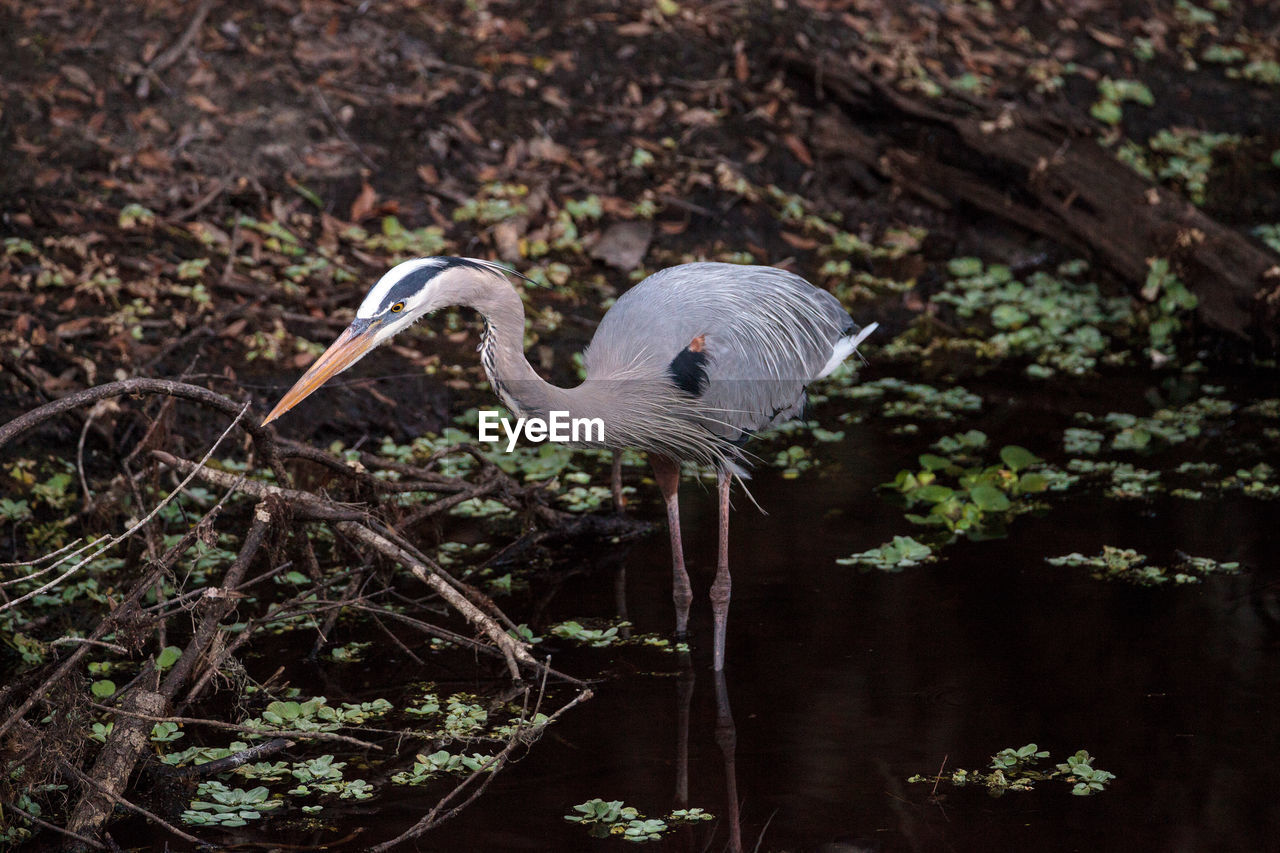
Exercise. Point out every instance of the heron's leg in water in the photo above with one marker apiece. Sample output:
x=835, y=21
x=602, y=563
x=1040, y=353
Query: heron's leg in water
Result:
x=721, y=586
x=667, y=473
x=615, y=483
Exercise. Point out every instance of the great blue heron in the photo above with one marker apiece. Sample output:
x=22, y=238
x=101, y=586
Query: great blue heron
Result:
x=685, y=366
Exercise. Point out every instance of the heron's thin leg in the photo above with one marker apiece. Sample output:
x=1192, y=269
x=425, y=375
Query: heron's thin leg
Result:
x=667, y=473
x=615, y=483
x=722, y=585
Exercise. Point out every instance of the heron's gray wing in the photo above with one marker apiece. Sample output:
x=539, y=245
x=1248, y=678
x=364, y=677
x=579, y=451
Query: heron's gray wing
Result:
x=742, y=340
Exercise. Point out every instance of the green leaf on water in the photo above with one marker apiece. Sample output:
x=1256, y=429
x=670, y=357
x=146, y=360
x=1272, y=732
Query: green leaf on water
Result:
x=1032, y=482
x=1008, y=316
x=1108, y=112
x=934, y=463
x=964, y=267
x=1017, y=457
x=932, y=493
x=989, y=498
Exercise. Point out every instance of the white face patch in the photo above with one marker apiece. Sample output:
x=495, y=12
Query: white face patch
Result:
x=377, y=300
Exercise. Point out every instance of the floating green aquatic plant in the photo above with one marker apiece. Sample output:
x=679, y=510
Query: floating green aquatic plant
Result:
x=917, y=399
x=1256, y=482
x=1057, y=321
x=1112, y=94
x=613, y=818
x=1079, y=440
x=903, y=552
x=1130, y=482
x=594, y=637
x=427, y=767
x=218, y=805
x=964, y=499
x=1164, y=427
x=1126, y=564
x=1171, y=302
x=961, y=444
x=1015, y=769
x=1270, y=233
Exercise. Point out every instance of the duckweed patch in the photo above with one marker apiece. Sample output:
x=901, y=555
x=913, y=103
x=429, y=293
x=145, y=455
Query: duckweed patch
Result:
x=1180, y=156
x=229, y=807
x=902, y=553
x=1058, y=321
x=915, y=399
x=429, y=767
x=972, y=499
x=1257, y=482
x=316, y=714
x=615, y=634
x=962, y=445
x=1129, y=482
x=1127, y=565
x=1267, y=408
x=1269, y=233
x=1163, y=428
x=1170, y=303
x=1080, y=440
x=1204, y=423
x=595, y=637
x=1016, y=769
x=1113, y=94
x=218, y=805
x=613, y=818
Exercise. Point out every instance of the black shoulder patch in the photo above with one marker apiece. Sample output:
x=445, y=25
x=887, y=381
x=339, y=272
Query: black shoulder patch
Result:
x=688, y=370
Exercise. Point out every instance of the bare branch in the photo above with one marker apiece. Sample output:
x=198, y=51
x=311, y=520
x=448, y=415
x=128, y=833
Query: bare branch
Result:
x=44, y=824
x=121, y=801
x=235, y=727
x=512, y=649
x=99, y=548
x=520, y=737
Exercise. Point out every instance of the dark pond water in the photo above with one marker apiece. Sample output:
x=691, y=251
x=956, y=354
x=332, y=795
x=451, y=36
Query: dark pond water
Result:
x=841, y=684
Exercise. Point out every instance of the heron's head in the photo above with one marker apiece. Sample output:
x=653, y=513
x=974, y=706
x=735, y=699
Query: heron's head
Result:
x=399, y=299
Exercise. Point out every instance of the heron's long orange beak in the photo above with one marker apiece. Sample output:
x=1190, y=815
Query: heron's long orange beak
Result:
x=350, y=346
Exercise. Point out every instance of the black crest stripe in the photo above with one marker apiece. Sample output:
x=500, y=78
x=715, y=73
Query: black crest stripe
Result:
x=416, y=280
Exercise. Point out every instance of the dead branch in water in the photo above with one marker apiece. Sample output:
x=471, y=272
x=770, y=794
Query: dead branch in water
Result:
x=224, y=613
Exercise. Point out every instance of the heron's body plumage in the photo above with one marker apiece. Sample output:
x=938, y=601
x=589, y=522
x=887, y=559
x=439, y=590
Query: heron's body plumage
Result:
x=685, y=366
x=763, y=333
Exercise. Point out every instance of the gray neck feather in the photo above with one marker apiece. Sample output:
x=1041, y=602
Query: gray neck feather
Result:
x=518, y=385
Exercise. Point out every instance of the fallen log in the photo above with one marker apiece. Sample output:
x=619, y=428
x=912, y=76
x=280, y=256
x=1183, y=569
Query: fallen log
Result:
x=115, y=764
x=1041, y=173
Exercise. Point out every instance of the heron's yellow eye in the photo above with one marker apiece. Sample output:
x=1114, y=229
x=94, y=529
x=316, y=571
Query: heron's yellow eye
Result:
x=397, y=308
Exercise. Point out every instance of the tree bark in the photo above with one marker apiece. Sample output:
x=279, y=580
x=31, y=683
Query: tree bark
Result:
x=115, y=763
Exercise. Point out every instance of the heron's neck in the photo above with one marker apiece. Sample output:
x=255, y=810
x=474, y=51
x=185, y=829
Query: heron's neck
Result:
x=502, y=353
x=640, y=411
